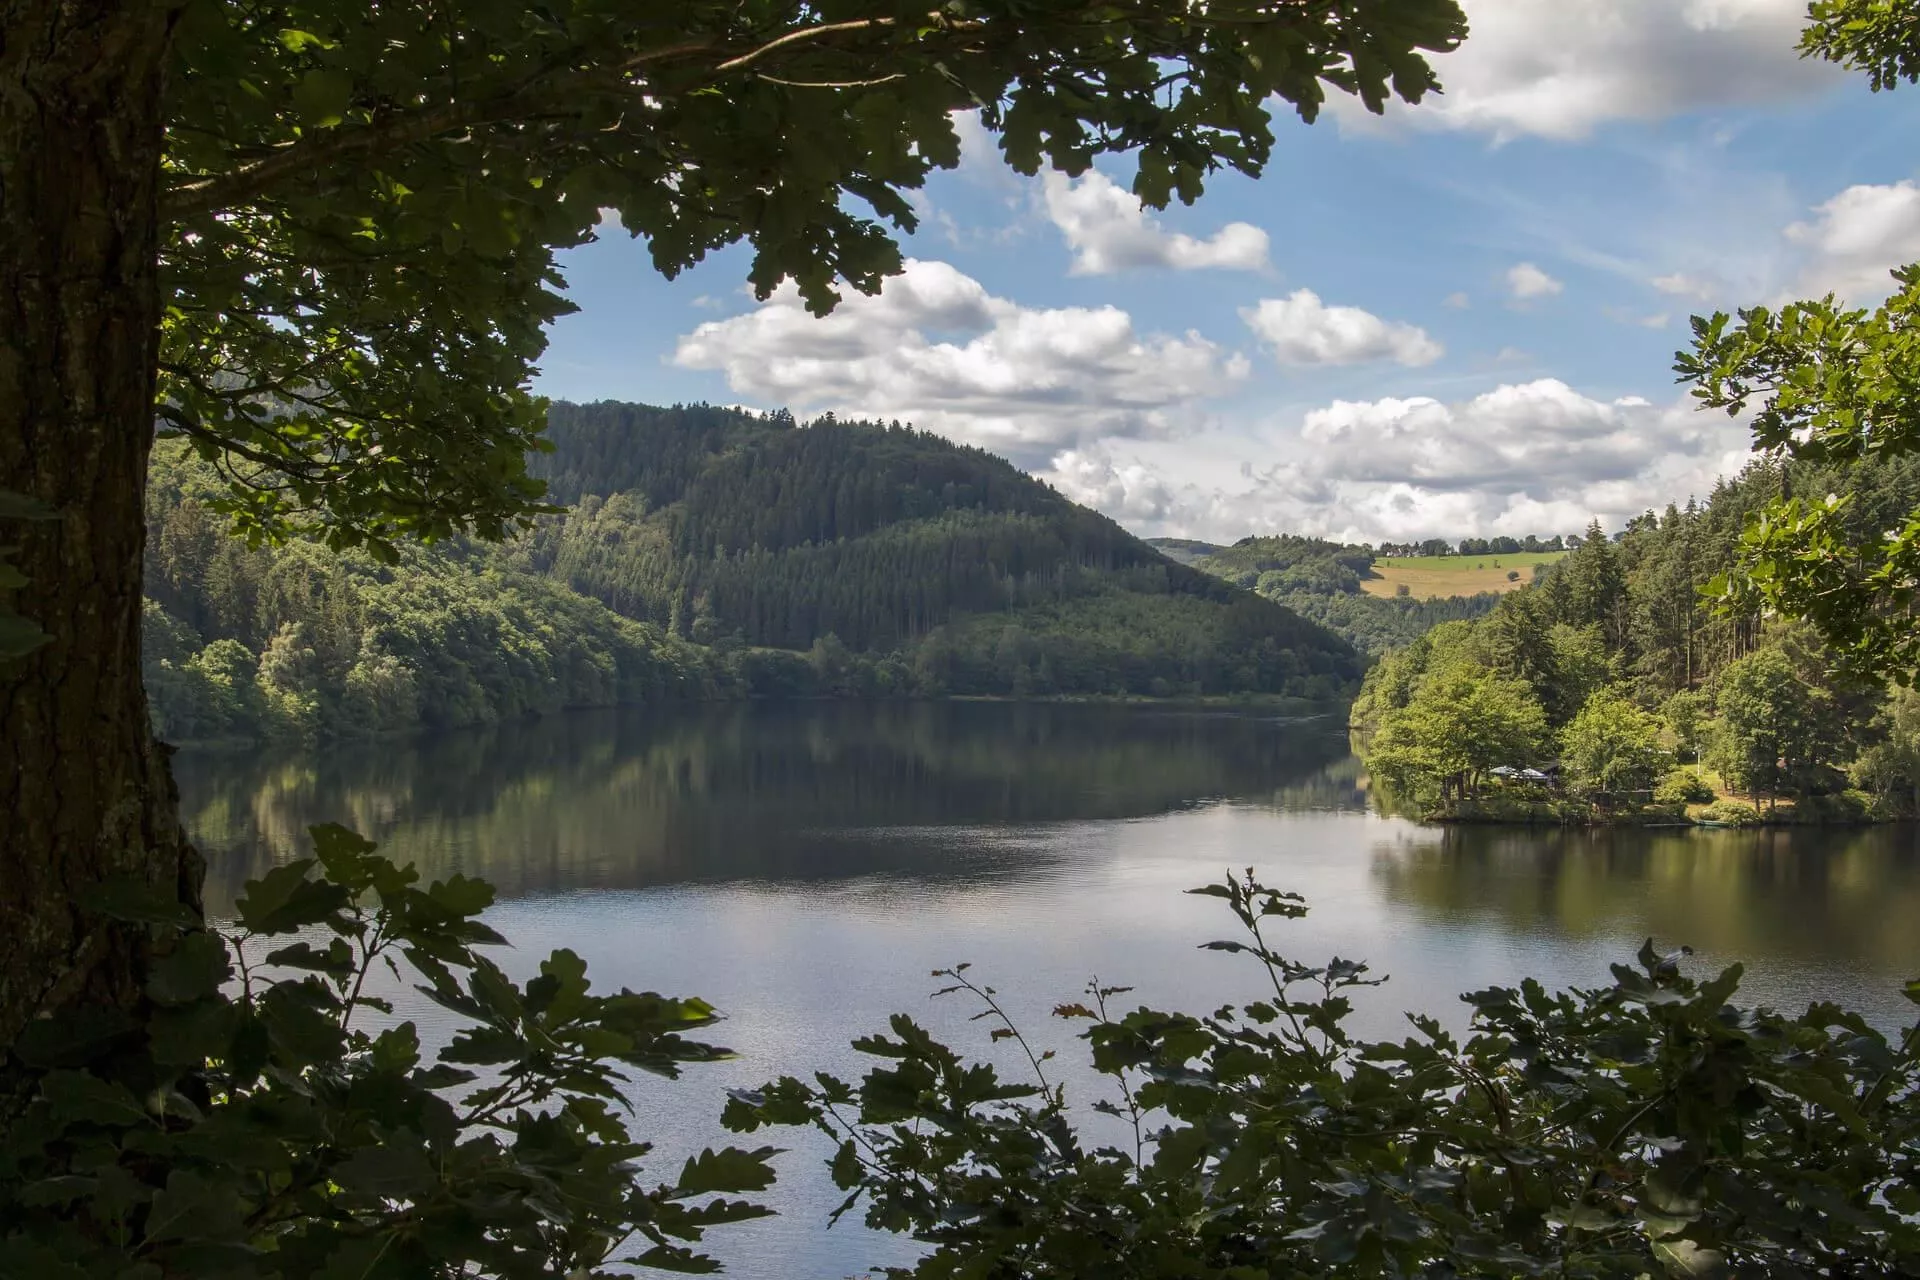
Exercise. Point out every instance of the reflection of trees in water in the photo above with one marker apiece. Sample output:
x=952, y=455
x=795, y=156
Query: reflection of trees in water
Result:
x=1812, y=893
x=652, y=795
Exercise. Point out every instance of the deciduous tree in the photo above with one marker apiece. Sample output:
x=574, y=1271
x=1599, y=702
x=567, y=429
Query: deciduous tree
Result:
x=1461, y=721
x=317, y=240
x=1611, y=745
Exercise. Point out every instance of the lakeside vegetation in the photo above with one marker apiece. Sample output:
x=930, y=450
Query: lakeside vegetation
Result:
x=1650, y=698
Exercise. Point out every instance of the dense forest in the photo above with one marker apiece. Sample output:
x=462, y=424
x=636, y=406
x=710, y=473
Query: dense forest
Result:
x=701, y=553
x=1646, y=689
x=1321, y=580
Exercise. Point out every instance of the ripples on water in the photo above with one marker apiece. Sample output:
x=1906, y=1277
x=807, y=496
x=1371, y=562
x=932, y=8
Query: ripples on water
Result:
x=806, y=866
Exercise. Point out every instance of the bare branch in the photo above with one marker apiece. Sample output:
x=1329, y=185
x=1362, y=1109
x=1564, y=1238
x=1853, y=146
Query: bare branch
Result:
x=795, y=37
x=831, y=84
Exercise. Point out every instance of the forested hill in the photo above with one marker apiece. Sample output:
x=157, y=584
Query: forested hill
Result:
x=722, y=525
x=704, y=553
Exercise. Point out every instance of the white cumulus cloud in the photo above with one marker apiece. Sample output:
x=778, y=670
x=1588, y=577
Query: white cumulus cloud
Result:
x=1681, y=285
x=1128, y=490
x=1303, y=330
x=1528, y=457
x=935, y=348
x=1855, y=239
x=1109, y=231
x=1560, y=68
x=1526, y=281
x=1524, y=457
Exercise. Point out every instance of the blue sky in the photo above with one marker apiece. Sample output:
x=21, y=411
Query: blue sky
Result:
x=1456, y=320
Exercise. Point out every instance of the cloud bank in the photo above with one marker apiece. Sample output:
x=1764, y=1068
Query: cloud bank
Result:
x=1560, y=69
x=1534, y=457
x=935, y=348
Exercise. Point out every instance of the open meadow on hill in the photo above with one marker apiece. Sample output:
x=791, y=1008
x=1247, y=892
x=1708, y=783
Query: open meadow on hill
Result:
x=1437, y=577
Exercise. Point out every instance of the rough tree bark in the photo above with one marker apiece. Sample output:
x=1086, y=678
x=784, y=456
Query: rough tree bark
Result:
x=85, y=793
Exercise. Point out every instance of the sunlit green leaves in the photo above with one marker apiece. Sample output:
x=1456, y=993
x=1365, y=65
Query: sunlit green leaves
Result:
x=1875, y=36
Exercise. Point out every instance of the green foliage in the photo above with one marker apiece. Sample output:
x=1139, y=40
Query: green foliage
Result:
x=1831, y=384
x=1320, y=580
x=1780, y=726
x=1731, y=813
x=1648, y=1128
x=1625, y=616
x=896, y=542
x=248, y=1121
x=1832, y=389
x=1376, y=625
x=1459, y=722
x=1596, y=584
x=361, y=212
x=1875, y=36
x=1684, y=715
x=708, y=554
x=1682, y=786
x=304, y=643
x=1611, y=746
x=1888, y=771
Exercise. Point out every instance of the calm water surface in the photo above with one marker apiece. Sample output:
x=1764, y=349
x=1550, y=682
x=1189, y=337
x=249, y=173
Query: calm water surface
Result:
x=805, y=866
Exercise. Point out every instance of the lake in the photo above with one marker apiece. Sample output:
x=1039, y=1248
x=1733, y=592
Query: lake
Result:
x=804, y=867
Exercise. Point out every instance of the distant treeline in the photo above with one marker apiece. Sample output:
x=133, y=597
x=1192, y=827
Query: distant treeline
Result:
x=1501, y=546
x=707, y=553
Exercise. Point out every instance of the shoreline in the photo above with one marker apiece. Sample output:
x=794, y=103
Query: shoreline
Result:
x=1693, y=818
x=1285, y=705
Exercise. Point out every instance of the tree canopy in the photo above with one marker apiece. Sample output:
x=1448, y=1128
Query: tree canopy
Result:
x=318, y=241
x=1611, y=745
x=362, y=208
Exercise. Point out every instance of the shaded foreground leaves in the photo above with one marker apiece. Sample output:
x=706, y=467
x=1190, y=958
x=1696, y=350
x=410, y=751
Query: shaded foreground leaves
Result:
x=1648, y=1128
x=247, y=1122
x=244, y=1123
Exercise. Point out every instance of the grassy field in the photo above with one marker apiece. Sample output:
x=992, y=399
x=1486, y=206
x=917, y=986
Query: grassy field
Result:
x=1433, y=577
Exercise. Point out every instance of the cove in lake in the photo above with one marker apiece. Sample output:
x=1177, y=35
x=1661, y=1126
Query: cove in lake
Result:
x=804, y=866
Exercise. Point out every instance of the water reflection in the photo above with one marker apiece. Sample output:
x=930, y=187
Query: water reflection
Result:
x=1842, y=901
x=791, y=792
x=805, y=866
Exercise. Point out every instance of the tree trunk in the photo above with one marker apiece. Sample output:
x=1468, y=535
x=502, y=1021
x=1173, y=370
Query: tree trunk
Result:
x=84, y=790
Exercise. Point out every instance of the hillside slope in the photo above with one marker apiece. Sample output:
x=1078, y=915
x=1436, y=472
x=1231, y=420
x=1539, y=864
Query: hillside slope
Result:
x=725, y=527
x=1335, y=584
x=707, y=553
